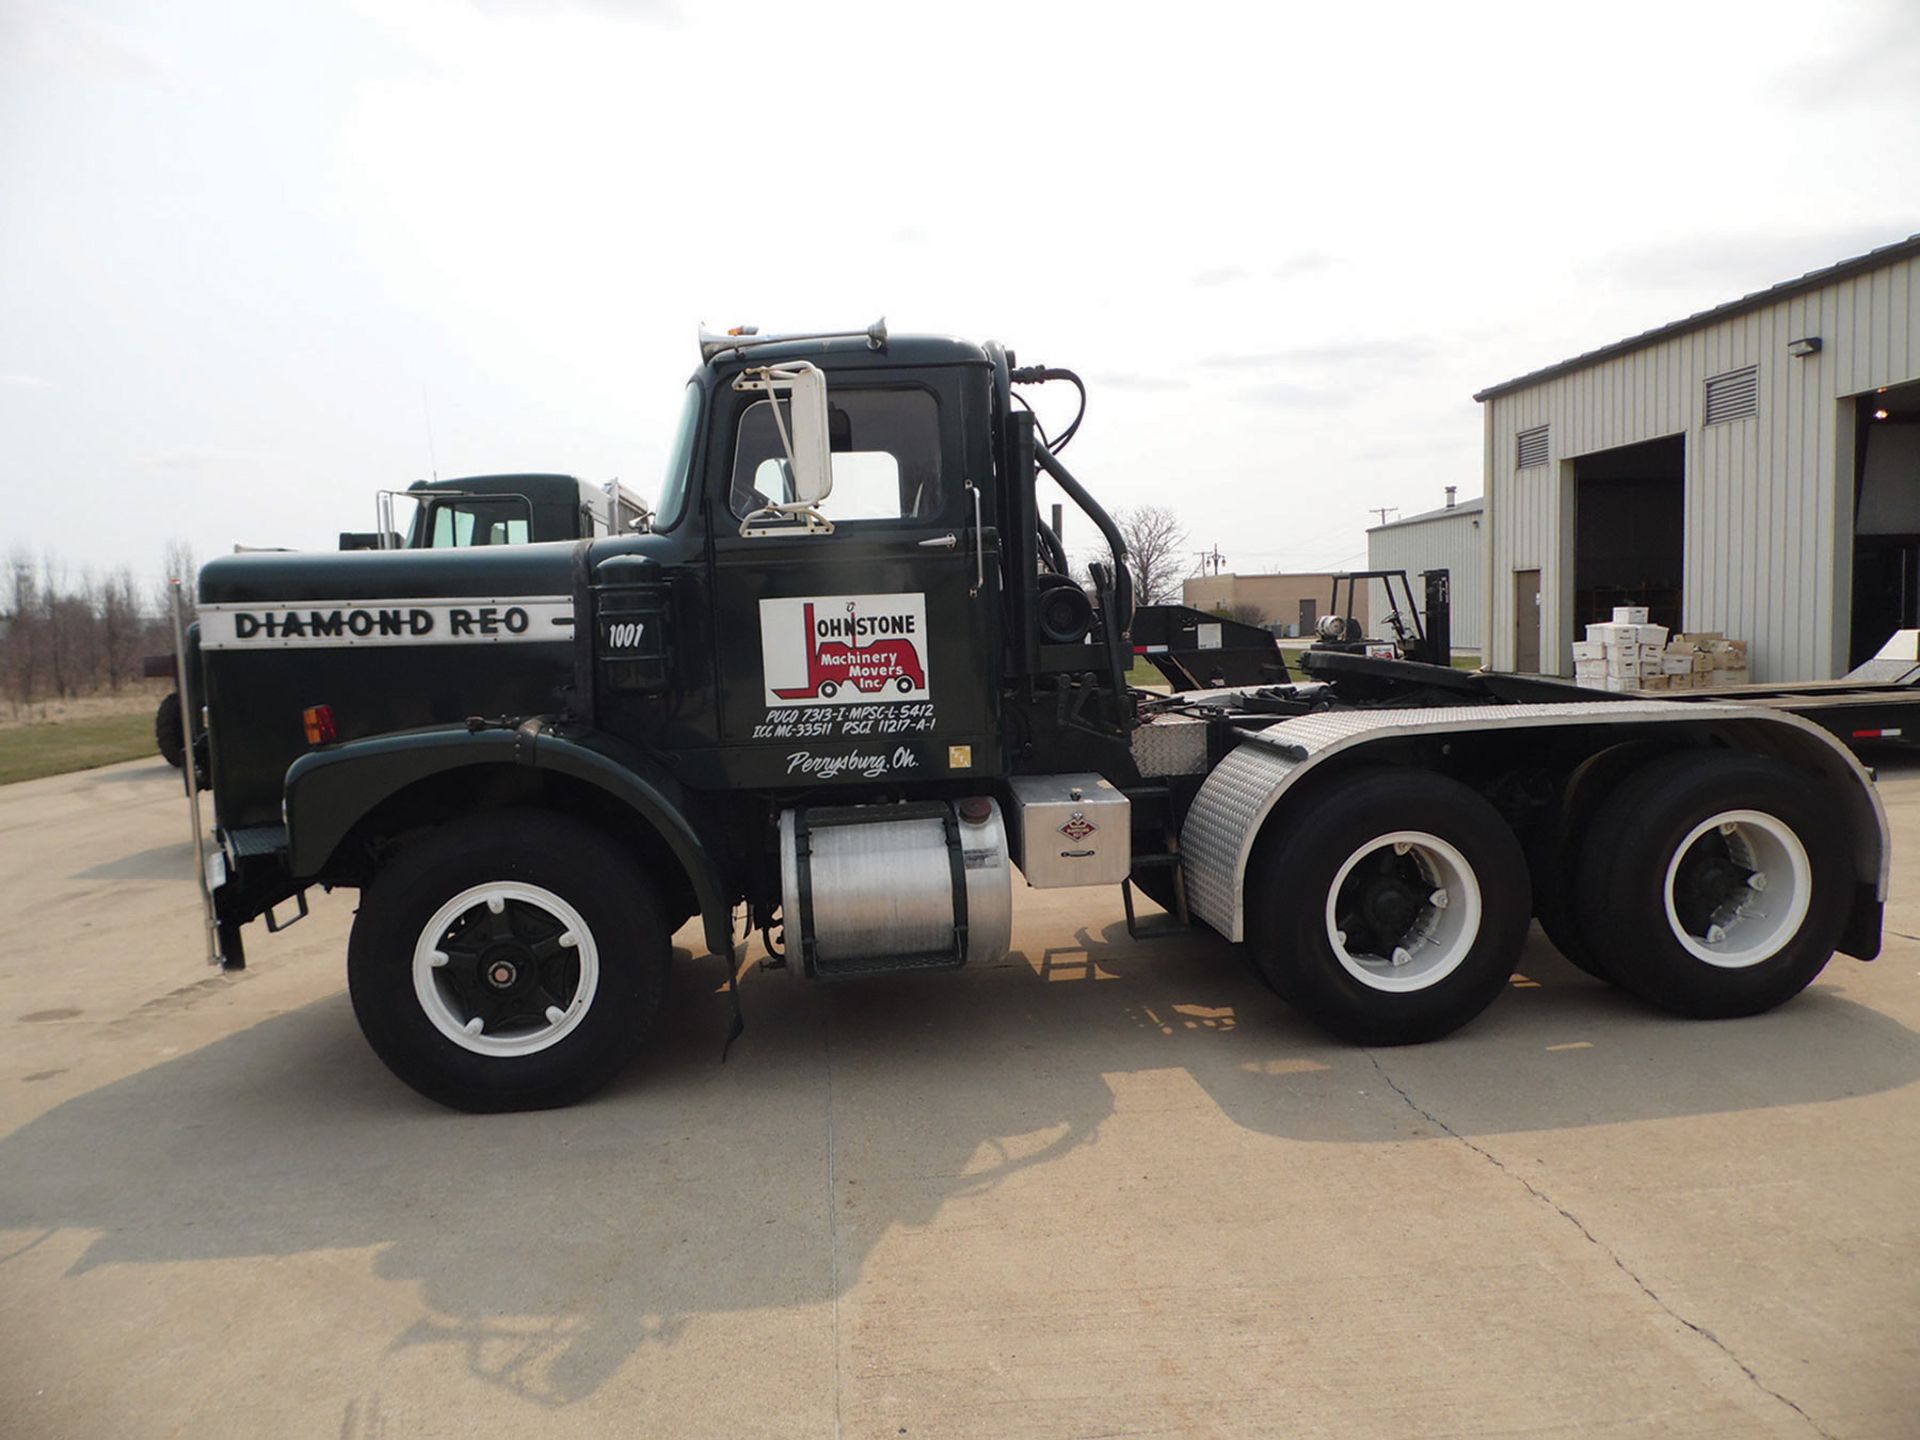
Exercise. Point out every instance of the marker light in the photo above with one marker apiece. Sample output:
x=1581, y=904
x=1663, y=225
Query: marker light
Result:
x=321, y=729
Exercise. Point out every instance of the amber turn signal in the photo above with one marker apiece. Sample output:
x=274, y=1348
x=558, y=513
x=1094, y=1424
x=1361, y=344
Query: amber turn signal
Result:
x=320, y=727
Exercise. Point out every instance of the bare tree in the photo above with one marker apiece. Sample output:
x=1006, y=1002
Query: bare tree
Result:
x=57, y=627
x=122, y=627
x=1156, y=541
x=20, y=660
x=61, y=637
x=1248, y=614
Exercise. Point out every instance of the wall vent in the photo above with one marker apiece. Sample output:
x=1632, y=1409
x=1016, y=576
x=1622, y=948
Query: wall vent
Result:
x=1530, y=447
x=1734, y=395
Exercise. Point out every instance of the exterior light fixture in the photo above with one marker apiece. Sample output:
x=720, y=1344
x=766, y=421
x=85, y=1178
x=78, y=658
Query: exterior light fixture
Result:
x=1879, y=414
x=1802, y=348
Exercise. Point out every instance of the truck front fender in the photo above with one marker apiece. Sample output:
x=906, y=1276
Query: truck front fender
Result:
x=1252, y=784
x=330, y=792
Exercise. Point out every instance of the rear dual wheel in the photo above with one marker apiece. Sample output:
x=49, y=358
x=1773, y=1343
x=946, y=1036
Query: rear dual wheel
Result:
x=1392, y=907
x=1713, y=885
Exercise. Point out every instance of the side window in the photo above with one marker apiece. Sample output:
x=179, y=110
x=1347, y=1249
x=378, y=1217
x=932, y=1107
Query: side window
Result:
x=479, y=523
x=886, y=457
x=451, y=527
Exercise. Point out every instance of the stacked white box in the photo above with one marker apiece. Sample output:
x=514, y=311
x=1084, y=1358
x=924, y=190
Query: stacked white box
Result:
x=1622, y=654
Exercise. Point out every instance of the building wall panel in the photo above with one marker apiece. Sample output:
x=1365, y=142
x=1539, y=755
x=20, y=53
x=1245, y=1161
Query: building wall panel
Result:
x=1451, y=543
x=1768, y=516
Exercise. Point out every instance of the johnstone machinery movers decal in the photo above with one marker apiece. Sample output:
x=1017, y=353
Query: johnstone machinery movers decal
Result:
x=844, y=649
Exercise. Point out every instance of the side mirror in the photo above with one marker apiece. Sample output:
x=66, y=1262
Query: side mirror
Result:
x=807, y=446
x=807, y=441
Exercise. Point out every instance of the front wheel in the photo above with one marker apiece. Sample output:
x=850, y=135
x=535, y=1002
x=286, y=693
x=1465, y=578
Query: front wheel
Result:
x=508, y=962
x=1715, y=885
x=1390, y=908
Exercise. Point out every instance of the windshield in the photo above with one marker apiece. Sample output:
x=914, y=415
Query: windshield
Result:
x=885, y=455
x=673, y=488
x=449, y=524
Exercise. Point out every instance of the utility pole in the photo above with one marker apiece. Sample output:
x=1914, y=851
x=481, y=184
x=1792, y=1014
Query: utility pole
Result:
x=1383, y=511
x=1211, y=558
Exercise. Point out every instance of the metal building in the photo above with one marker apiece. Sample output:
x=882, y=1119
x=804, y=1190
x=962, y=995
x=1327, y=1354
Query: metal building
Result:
x=1290, y=603
x=1752, y=469
x=1444, y=539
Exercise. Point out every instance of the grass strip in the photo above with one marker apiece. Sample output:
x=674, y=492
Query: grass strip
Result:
x=55, y=747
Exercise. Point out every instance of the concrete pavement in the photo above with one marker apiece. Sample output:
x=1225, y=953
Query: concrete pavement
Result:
x=1101, y=1189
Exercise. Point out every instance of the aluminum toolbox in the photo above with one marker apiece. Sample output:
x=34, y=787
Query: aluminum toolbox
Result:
x=1069, y=830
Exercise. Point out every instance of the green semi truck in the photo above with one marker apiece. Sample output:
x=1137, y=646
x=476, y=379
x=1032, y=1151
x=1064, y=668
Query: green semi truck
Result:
x=842, y=690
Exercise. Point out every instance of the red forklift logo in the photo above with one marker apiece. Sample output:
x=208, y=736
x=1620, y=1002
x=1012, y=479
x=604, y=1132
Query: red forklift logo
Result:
x=851, y=648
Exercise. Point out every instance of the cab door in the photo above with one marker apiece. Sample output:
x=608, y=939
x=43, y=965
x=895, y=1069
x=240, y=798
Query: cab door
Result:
x=871, y=653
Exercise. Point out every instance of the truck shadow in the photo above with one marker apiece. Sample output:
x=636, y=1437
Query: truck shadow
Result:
x=154, y=769
x=551, y=1249
x=162, y=862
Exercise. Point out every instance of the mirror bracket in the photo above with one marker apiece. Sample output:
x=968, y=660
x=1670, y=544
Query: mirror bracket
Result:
x=799, y=519
x=806, y=444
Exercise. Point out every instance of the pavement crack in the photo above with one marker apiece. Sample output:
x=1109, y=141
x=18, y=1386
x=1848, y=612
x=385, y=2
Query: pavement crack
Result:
x=1619, y=1264
x=37, y=1240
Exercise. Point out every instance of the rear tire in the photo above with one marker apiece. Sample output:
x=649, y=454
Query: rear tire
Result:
x=1667, y=887
x=511, y=961
x=1552, y=859
x=1392, y=907
x=168, y=734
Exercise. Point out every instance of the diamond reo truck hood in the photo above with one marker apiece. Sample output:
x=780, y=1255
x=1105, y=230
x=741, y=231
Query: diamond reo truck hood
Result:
x=497, y=570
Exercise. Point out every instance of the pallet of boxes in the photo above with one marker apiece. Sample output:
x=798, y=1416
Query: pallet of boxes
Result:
x=1630, y=654
x=1704, y=660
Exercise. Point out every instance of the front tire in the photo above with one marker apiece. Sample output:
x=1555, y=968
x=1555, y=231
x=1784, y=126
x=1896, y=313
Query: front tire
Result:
x=1391, y=908
x=508, y=962
x=1715, y=885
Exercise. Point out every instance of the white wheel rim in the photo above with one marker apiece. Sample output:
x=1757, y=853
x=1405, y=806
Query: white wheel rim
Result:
x=1443, y=925
x=1755, y=921
x=440, y=996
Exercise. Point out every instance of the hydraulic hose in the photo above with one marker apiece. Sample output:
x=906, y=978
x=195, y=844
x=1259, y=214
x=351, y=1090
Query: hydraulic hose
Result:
x=1122, y=577
x=1039, y=375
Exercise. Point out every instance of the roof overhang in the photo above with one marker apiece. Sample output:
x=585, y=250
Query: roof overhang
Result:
x=1759, y=299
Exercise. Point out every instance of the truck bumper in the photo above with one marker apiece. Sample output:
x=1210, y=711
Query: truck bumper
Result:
x=247, y=876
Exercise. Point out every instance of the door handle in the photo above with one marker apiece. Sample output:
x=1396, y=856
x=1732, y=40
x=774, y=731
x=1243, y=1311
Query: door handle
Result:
x=940, y=542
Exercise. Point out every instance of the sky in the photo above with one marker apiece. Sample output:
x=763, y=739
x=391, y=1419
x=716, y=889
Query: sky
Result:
x=260, y=261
